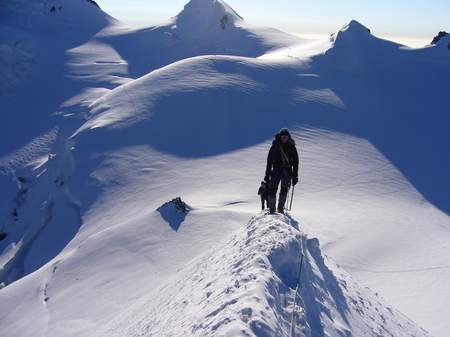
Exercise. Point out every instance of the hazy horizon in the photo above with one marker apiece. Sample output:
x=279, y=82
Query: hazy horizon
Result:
x=410, y=24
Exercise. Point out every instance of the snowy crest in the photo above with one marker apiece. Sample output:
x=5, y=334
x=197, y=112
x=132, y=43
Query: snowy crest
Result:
x=354, y=46
x=207, y=14
x=246, y=287
x=47, y=13
x=355, y=27
x=442, y=40
x=351, y=31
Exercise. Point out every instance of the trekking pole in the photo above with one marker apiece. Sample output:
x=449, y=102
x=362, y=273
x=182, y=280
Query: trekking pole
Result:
x=288, y=200
x=292, y=198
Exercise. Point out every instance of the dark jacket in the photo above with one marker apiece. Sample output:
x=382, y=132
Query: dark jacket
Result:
x=275, y=159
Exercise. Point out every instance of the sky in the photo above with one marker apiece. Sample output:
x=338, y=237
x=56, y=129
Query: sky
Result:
x=412, y=22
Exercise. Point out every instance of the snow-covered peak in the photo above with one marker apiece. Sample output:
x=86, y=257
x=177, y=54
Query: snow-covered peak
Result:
x=207, y=14
x=442, y=35
x=354, y=46
x=442, y=39
x=355, y=27
x=350, y=32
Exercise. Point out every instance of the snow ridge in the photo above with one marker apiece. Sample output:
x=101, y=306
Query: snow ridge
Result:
x=246, y=288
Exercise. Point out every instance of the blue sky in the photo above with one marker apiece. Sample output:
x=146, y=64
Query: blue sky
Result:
x=410, y=22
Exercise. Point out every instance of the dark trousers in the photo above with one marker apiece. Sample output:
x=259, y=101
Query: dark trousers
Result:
x=283, y=176
x=263, y=202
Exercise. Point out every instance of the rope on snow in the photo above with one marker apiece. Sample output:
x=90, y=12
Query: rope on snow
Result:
x=294, y=308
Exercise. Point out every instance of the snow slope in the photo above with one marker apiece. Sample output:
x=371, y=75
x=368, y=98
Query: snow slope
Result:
x=352, y=195
x=235, y=281
x=33, y=84
x=83, y=224
x=203, y=27
x=245, y=287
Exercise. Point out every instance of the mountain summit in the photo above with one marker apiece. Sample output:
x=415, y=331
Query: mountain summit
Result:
x=352, y=31
x=207, y=14
x=354, y=46
x=442, y=38
x=203, y=27
x=439, y=37
x=355, y=27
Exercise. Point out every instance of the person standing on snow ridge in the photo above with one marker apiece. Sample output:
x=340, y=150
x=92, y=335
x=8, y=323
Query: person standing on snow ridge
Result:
x=282, y=166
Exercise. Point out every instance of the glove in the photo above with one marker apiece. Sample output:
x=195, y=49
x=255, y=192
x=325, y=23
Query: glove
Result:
x=294, y=180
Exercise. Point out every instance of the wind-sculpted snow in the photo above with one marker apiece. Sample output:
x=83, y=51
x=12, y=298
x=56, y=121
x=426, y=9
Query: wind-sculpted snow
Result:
x=224, y=96
x=32, y=154
x=318, y=96
x=42, y=203
x=245, y=287
x=362, y=86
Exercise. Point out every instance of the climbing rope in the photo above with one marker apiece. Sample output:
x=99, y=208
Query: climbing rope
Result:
x=294, y=308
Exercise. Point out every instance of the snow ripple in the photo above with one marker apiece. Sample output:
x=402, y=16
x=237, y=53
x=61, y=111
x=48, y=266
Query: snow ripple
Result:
x=29, y=153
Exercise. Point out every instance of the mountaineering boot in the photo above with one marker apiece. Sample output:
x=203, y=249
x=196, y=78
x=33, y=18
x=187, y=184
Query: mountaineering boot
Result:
x=281, y=202
x=271, y=200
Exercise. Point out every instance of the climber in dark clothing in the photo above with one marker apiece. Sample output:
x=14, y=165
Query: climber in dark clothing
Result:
x=282, y=166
